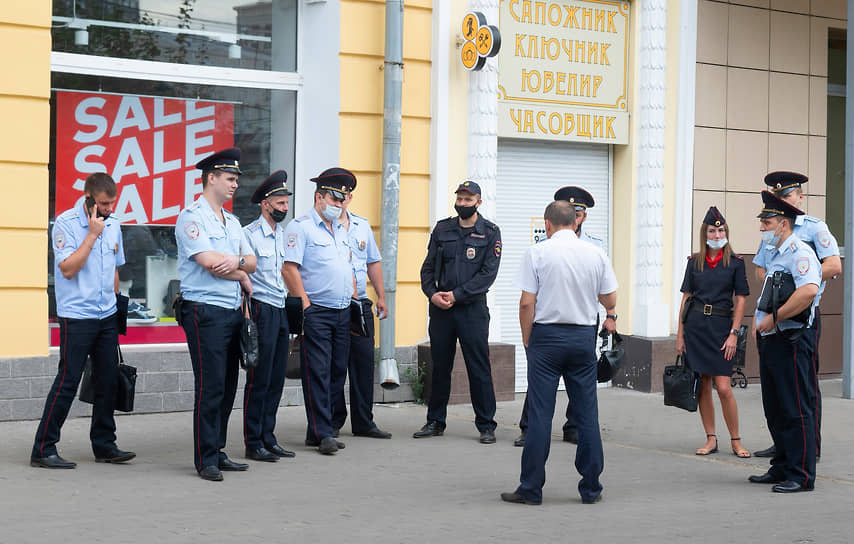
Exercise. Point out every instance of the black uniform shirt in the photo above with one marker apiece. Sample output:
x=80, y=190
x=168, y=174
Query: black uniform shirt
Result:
x=716, y=285
x=464, y=261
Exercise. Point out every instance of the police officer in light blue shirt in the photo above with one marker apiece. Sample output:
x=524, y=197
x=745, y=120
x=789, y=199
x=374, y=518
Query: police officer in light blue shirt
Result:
x=815, y=233
x=265, y=382
x=366, y=264
x=785, y=352
x=87, y=246
x=580, y=200
x=317, y=269
x=214, y=258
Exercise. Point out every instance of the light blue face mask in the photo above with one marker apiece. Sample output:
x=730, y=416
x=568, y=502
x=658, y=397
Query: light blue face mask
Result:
x=331, y=213
x=769, y=238
x=717, y=244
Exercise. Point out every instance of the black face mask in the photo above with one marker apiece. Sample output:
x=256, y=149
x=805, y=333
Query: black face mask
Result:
x=278, y=215
x=465, y=211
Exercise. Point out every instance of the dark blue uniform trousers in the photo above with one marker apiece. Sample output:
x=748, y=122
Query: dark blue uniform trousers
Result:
x=570, y=417
x=325, y=349
x=554, y=351
x=788, y=398
x=213, y=339
x=470, y=324
x=361, y=369
x=813, y=335
x=79, y=338
x=265, y=383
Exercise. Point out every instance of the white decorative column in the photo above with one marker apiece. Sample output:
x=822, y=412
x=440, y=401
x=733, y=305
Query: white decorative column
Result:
x=482, y=153
x=651, y=315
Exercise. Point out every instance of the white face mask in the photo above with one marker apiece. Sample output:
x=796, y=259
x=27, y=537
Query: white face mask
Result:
x=331, y=213
x=716, y=244
x=769, y=238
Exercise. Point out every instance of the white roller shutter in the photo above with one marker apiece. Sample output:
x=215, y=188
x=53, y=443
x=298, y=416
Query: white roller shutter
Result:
x=529, y=172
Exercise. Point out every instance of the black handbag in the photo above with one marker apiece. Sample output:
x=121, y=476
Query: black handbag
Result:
x=740, y=347
x=125, y=390
x=610, y=360
x=776, y=290
x=248, y=338
x=681, y=385
x=292, y=366
x=360, y=314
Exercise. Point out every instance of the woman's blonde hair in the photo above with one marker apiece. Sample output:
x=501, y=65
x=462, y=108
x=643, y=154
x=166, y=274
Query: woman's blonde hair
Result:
x=700, y=256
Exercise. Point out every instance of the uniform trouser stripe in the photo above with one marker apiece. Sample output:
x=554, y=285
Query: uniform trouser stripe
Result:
x=62, y=349
x=800, y=413
x=201, y=385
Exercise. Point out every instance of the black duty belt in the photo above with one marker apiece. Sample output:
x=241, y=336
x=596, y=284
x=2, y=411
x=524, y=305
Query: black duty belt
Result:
x=708, y=309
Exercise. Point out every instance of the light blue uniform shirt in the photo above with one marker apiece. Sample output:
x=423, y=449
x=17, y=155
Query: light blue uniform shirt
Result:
x=323, y=259
x=268, y=244
x=796, y=258
x=198, y=229
x=592, y=239
x=90, y=294
x=365, y=251
x=817, y=236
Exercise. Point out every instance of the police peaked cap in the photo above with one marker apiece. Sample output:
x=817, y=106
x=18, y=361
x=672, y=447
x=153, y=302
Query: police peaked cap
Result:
x=782, y=183
x=774, y=205
x=469, y=187
x=275, y=185
x=578, y=197
x=226, y=160
x=714, y=217
x=339, y=181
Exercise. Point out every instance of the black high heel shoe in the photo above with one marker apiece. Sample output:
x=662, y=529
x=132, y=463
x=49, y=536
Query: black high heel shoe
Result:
x=702, y=451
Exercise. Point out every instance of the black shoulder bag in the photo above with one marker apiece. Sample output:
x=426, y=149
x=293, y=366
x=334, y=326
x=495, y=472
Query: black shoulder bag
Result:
x=248, y=338
x=610, y=360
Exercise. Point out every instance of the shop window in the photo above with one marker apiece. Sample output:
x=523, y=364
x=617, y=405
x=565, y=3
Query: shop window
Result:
x=229, y=33
x=836, y=80
x=148, y=136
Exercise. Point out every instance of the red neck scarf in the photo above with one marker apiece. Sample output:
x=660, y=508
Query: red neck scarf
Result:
x=713, y=261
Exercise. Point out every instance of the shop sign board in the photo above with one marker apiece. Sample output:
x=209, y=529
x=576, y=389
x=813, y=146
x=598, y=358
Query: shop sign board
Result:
x=149, y=145
x=563, y=70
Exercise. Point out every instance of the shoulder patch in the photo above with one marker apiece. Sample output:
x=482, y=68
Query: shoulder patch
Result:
x=823, y=238
x=497, y=249
x=58, y=239
x=292, y=239
x=192, y=230
x=803, y=265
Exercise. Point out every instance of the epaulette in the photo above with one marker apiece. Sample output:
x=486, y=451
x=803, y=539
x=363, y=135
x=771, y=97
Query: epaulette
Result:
x=253, y=226
x=442, y=222
x=489, y=224
x=736, y=256
x=812, y=219
x=357, y=216
x=301, y=218
x=594, y=237
x=73, y=213
x=224, y=211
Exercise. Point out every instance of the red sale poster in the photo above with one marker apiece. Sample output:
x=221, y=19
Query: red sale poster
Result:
x=149, y=145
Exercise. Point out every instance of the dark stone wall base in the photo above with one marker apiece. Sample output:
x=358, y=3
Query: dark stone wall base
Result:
x=644, y=364
x=502, y=358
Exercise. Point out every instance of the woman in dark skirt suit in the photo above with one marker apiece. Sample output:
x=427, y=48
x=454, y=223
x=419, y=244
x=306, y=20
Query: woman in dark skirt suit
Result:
x=709, y=326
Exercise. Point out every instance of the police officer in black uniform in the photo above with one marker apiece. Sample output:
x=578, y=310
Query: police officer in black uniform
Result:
x=461, y=264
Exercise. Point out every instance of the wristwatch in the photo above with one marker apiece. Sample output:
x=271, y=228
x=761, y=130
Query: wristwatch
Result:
x=242, y=262
x=734, y=331
x=611, y=316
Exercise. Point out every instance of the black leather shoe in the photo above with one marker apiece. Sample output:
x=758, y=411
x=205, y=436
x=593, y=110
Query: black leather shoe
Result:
x=767, y=452
x=517, y=498
x=790, y=487
x=520, y=440
x=487, y=437
x=328, y=446
x=211, y=474
x=766, y=478
x=115, y=456
x=280, y=451
x=376, y=432
x=431, y=428
x=594, y=500
x=261, y=454
x=570, y=436
x=314, y=444
x=51, y=461
x=227, y=464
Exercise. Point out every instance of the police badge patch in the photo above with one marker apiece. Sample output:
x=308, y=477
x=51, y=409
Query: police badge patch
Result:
x=192, y=230
x=59, y=239
x=803, y=265
x=292, y=240
x=824, y=239
x=497, y=249
x=470, y=253
x=361, y=245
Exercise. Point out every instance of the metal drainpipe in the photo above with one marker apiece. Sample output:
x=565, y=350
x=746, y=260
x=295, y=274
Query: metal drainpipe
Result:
x=392, y=90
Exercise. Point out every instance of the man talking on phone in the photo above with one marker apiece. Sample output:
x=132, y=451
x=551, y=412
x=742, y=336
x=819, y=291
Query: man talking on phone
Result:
x=87, y=245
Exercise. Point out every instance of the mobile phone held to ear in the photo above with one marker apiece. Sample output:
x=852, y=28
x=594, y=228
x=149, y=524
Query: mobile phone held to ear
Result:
x=90, y=203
